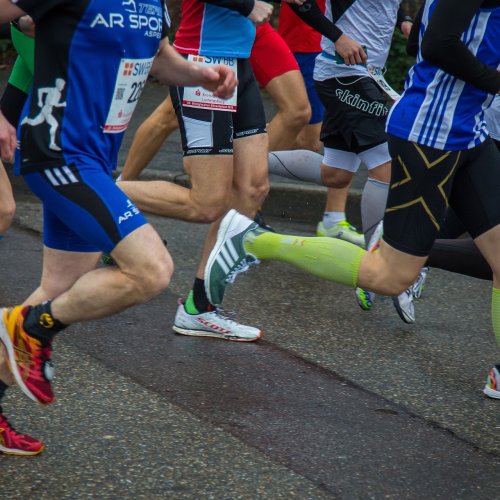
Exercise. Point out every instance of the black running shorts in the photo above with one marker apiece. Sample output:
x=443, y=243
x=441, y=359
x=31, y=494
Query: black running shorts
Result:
x=211, y=131
x=425, y=180
x=355, y=113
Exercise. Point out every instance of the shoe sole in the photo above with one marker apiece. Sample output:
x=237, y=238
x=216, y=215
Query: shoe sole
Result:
x=491, y=393
x=222, y=336
x=5, y=338
x=364, y=308
x=401, y=313
x=20, y=453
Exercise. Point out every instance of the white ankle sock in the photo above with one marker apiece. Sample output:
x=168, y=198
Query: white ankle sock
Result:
x=332, y=218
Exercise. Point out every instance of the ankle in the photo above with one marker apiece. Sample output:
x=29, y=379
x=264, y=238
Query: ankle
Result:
x=40, y=324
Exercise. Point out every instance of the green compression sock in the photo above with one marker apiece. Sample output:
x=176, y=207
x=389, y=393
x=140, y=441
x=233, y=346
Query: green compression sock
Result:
x=328, y=258
x=495, y=313
x=189, y=305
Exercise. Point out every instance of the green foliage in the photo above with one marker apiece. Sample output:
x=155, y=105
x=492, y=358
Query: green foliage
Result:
x=398, y=62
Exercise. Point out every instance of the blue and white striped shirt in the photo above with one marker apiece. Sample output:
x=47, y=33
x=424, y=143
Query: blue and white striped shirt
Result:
x=439, y=110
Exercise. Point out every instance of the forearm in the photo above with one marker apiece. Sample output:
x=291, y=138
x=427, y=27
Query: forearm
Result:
x=413, y=39
x=7, y=139
x=170, y=68
x=401, y=18
x=442, y=45
x=244, y=7
x=9, y=12
x=311, y=14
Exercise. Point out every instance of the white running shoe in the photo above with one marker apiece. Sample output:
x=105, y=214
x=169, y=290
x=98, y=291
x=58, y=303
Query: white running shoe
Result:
x=492, y=387
x=215, y=324
x=419, y=285
x=404, y=305
x=404, y=301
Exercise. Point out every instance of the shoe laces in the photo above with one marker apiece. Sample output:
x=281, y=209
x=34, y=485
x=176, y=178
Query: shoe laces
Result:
x=227, y=316
x=8, y=426
x=242, y=267
x=422, y=275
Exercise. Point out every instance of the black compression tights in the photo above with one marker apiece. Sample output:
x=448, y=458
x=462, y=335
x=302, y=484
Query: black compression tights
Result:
x=459, y=256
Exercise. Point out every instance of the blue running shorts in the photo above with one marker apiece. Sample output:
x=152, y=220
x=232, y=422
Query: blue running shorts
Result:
x=306, y=61
x=83, y=209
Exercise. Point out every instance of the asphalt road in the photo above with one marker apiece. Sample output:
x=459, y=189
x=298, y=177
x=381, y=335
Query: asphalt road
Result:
x=334, y=402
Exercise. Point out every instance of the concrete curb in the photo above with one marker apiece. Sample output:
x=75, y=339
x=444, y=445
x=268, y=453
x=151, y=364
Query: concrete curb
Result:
x=296, y=201
x=299, y=201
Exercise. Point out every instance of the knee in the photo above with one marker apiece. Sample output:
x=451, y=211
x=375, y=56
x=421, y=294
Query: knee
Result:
x=298, y=116
x=255, y=193
x=154, y=277
x=167, y=121
x=335, y=178
x=208, y=213
x=382, y=173
x=7, y=215
x=315, y=145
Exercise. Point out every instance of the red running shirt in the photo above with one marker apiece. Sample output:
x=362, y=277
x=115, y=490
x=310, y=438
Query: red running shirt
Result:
x=298, y=35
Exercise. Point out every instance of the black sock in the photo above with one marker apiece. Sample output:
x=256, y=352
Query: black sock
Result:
x=40, y=324
x=3, y=388
x=200, y=297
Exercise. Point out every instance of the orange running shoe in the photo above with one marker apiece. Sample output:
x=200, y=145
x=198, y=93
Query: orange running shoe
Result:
x=29, y=360
x=15, y=443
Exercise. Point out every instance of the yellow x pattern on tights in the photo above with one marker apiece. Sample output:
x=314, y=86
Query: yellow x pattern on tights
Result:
x=408, y=178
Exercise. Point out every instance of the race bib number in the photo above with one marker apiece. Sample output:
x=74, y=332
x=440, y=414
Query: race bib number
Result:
x=378, y=75
x=198, y=97
x=130, y=82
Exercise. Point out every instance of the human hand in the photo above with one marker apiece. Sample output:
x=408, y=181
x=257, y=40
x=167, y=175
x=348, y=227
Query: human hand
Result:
x=27, y=26
x=220, y=80
x=8, y=140
x=350, y=50
x=261, y=12
x=406, y=28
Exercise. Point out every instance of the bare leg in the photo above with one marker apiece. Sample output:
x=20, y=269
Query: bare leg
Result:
x=250, y=185
x=289, y=94
x=308, y=138
x=7, y=203
x=336, y=199
x=144, y=269
x=488, y=244
x=60, y=272
x=149, y=138
x=5, y=374
x=209, y=197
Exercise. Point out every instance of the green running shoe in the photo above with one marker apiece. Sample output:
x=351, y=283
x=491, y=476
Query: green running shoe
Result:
x=228, y=257
x=343, y=231
x=365, y=298
x=107, y=260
